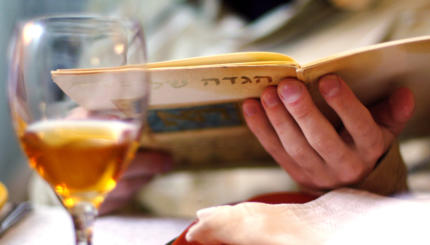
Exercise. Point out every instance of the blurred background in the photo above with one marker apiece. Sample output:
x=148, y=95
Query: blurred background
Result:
x=303, y=29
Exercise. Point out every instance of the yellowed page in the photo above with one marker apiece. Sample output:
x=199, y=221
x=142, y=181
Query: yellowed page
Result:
x=195, y=107
x=195, y=103
x=375, y=71
x=193, y=81
x=240, y=58
x=173, y=87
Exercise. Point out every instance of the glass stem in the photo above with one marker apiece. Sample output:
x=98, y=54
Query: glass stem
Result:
x=83, y=216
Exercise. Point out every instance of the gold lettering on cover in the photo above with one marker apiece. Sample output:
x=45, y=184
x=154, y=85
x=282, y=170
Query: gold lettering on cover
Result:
x=231, y=79
x=207, y=80
x=261, y=78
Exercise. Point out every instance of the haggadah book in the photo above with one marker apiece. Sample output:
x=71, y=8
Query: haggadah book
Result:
x=195, y=103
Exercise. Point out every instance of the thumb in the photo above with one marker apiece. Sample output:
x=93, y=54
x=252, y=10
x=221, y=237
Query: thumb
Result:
x=395, y=112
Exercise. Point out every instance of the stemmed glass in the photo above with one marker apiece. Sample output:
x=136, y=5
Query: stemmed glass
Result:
x=79, y=150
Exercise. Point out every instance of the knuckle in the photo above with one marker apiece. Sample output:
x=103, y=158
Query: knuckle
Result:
x=274, y=151
x=300, y=112
x=298, y=153
x=321, y=143
x=269, y=89
x=318, y=142
x=364, y=128
x=351, y=173
x=324, y=183
x=337, y=100
x=277, y=121
x=375, y=148
x=343, y=157
x=379, y=143
x=325, y=145
x=302, y=179
x=299, y=176
x=256, y=129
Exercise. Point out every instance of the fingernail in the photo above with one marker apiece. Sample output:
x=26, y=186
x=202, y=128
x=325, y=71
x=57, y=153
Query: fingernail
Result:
x=329, y=85
x=249, y=109
x=291, y=92
x=270, y=99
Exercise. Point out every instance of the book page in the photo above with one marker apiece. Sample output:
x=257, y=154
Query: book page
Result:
x=194, y=110
x=374, y=72
x=193, y=81
x=176, y=87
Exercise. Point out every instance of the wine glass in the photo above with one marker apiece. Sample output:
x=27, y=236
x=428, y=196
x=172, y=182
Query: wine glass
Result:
x=79, y=150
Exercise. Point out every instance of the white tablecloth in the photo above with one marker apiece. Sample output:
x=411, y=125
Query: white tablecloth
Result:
x=52, y=225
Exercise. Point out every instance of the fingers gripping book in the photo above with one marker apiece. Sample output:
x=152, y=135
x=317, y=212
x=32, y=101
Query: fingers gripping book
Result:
x=195, y=103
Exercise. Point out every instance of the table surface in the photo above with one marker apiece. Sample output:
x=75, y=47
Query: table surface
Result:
x=52, y=225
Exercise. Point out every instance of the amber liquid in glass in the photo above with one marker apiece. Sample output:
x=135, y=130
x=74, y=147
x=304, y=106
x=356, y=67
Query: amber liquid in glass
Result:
x=81, y=160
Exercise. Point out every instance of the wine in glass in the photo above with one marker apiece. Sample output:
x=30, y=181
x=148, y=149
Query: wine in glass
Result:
x=80, y=150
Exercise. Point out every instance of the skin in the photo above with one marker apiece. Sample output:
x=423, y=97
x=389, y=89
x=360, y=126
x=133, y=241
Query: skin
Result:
x=304, y=143
x=141, y=170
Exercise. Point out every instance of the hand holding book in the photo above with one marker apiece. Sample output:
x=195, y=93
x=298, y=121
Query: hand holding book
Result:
x=304, y=143
x=196, y=114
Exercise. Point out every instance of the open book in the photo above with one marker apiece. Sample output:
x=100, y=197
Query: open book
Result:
x=195, y=103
